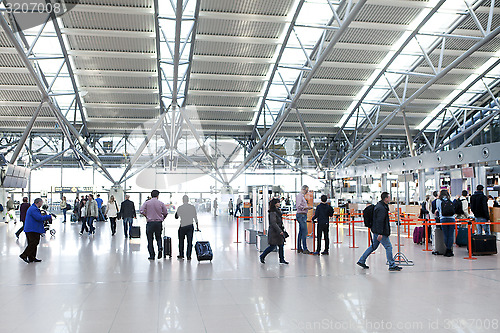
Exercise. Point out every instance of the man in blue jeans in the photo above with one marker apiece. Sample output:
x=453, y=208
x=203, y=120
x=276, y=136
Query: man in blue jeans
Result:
x=381, y=230
x=127, y=213
x=301, y=217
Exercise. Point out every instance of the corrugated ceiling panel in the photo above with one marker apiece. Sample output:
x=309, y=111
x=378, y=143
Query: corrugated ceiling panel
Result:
x=332, y=89
x=225, y=85
x=103, y=126
x=25, y=111
x=370, y=36
x=223, y=101
x=469, y=63
x=252, y=69
x=96, y=112
x=113, y=44
x=260, y=7
x=359, y=56
x=4, y=41
x=119, y=64
x=428, y=94
x=16, y=79
x=314, y=118
x=118, y=3
x=118, y=82
x=129, y=98
x=227, y=116
x=227, y=128
x=343, y=73
x=258, y=29
x=17, y=95
x=322, y=104
x=465, y=44
x=39, y=123
x=234, y=49
x=387, y=14
x=483, y=18
x=107, y=21
x=10, y=60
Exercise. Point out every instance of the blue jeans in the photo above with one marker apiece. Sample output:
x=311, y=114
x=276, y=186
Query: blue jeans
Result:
x=64, y=214
x=375, y=243
x=480, y=227
x=127, y=224
x=302, y=237
x=271, y=248
x=90, y=223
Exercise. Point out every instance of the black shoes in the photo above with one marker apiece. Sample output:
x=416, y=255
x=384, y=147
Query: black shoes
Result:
x=299, y=250
x=188, y=258
x=449, y=253
x=24, y=259
x=36, y=260
x=325, y=253
x=262, y=260
x=360, y=264
x=180, y=257
x=151, y=258
x=283, y=262
x=159, y=254
x=306, y=251
x=395, y=268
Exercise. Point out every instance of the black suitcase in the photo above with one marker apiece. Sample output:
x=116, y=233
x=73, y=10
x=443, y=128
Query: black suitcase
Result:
x=167, y=246
x=462, y=236
x=203, y=251
x=483, y=244
x=135, y=232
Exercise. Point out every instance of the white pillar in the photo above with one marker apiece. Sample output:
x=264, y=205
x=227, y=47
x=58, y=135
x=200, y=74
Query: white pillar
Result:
x=407, y=192
x=358, y=188
x=421, y=185
x=437, y=181
x=383, y=180
x=480, y=177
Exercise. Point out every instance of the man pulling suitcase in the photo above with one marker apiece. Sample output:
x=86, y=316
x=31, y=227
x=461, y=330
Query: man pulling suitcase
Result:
x=187, y=213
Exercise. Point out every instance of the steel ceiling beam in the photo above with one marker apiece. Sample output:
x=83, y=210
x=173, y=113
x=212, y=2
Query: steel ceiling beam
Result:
x=324, y=54
x=45, y=95
x=360, y=148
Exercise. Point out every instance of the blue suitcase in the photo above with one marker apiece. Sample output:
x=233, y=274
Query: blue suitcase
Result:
x=203, y=251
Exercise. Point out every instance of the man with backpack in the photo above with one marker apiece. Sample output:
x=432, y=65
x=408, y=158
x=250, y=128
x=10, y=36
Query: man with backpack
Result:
x=323, y=213
x=381, y=230
x=479, y=207
x=461, y=206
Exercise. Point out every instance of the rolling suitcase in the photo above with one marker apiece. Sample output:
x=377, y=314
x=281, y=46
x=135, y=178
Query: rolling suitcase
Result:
x=462, y=236
x=135, y=232
x=483, y=244
x=203, y=250
x=167, y=246
x=418, y=235
x=438, y=246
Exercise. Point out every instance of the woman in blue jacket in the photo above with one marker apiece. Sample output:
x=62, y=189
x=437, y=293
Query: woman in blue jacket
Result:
x=33, y=227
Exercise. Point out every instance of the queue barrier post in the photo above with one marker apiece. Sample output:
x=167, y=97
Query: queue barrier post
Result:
x=469, y=227
x=426, y=226
x=353, y=236
x=237, y=229
x=337, y=229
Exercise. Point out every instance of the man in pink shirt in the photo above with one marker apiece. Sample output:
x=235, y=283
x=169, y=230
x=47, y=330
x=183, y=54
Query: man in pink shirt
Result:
x=301, y=217
x=155, y=212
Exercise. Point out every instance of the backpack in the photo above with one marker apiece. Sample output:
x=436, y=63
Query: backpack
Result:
x=457, y=204
x=423, y=210
x=1, y=208
x=447, y=208
x=368, y=216
x=434, y=207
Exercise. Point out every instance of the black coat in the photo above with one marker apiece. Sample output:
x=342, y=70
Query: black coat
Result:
x=479, y=205
x=381, y=224
x=275, y=229
x=127, y=209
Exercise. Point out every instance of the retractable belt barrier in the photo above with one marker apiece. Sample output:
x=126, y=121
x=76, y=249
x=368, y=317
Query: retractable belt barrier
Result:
x=238, y=225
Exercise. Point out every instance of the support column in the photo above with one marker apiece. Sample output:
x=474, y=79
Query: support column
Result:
x=407, y=192
x=480, y=178
x=383, y=180
x=437, y=181
x=358, y=187
x=421, y=185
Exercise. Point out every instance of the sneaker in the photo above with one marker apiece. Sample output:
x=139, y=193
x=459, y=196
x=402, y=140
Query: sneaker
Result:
x=36, y=260
x=316, y=253
x=360, y=264
x=81, y=233
x=283, y=262
x=395, y=268
x=180, y=257
x=24, y=259
x=299, y=250
x=159, y=254
x=262, y=260
x=306, y=251
x=325, y=253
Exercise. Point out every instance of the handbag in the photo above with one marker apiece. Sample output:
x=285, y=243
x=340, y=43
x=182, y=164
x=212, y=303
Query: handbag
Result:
x=285, y=234
x=118, y=214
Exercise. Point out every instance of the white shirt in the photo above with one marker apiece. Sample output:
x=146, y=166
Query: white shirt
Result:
x=112, y=209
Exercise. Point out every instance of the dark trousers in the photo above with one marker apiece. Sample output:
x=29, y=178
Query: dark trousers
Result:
x=271, y=248
x=18, y=233
x=183, y=232
x=84, y=225
x=33, y=241
x=448, y=235
x=113, y=224
x=238, y=209
x=323, y=228
x=153, y=230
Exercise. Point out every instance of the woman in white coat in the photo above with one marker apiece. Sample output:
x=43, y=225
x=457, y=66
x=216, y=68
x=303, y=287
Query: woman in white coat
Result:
x=112, y=212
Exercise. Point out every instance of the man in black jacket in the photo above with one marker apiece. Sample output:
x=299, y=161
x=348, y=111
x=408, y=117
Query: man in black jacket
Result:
x=479, y=207
x=323, y=213
x=381, y=230
x=127, y=213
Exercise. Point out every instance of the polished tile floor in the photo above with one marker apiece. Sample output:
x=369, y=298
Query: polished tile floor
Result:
x=106, y=284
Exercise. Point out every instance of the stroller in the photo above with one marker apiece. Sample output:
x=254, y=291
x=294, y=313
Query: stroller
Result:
x=47, y=224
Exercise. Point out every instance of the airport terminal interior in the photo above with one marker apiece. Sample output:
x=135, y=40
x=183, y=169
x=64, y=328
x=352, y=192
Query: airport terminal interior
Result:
x=342, y=158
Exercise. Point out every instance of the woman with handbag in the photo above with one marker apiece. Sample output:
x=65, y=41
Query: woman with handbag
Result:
x=276, y=234
x=112, y=212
